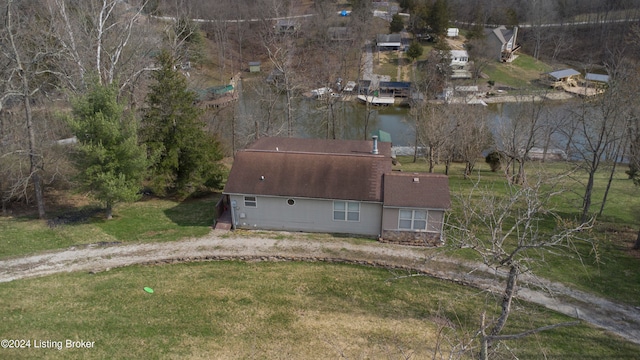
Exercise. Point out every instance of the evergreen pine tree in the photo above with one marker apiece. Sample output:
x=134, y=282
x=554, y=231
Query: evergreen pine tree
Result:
x=439, y=17
x=415, y=50
x=397, y=24
x=183, y=156
x=111, y=163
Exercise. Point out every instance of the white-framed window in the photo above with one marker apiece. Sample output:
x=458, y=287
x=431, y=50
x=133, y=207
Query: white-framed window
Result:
x=250, y=201
x=420, y=220
x=346, y=211
x=412, y=220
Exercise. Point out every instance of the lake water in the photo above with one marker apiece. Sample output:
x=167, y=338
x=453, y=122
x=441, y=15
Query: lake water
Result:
x=311, y=118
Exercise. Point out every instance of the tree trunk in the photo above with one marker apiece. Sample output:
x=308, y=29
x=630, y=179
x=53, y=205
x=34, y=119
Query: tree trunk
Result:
x=586, y=201
x=430, y=159
x=109, y=210
x=636, y=246
x=613, y=171
x=34, y=167
x=509, y=292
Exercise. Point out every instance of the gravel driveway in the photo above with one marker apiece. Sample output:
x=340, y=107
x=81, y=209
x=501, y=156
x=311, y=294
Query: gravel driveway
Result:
x=620, y=319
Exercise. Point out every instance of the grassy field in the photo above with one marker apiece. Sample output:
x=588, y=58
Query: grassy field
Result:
x=236, y=310
x=608, y=272
x=522, y=73
x=143, y=221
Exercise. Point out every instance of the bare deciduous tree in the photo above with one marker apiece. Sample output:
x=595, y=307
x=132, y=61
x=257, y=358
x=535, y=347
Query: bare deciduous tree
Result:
x=28, y=72
x=108, y=38
x=511, y=234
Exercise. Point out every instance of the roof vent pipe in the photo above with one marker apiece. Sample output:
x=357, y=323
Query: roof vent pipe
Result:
x=375, y=145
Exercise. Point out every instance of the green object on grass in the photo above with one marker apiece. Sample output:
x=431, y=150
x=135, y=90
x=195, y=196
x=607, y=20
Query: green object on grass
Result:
x=148, y=289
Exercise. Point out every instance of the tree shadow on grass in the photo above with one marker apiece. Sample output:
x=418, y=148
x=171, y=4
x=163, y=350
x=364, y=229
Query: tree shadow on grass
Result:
x=194, y=211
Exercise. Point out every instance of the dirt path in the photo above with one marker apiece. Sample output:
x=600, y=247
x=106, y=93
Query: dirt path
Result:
x=620, y=319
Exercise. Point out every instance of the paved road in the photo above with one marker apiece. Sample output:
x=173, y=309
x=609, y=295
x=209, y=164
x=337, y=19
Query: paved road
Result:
x=620, y=319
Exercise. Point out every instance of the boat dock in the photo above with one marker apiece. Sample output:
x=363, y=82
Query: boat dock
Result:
x=375, y=100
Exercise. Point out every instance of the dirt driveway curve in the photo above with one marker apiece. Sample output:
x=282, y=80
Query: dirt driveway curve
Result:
x=620, y=319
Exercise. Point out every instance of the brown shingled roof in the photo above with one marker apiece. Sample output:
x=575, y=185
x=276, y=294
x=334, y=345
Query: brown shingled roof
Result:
x=404, y=189
x=306, y=174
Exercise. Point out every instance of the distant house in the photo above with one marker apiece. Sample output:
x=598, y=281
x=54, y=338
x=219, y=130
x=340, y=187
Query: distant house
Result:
x=503, y=43
x=286, y=26
x=389, y=42
x=254, y=66
x=335, y=186
x=560, y=78
x=394, y=89
x=460, y=64
x=459, y=58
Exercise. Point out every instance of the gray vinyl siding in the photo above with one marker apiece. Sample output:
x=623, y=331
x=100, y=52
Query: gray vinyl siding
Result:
x=311, y=215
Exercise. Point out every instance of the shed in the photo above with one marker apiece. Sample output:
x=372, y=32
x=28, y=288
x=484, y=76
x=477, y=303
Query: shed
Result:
x=383, y=136
x=453, y=32
x=254, y=66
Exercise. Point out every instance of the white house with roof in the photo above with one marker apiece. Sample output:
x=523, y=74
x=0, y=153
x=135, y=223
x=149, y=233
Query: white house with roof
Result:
x=459, y=58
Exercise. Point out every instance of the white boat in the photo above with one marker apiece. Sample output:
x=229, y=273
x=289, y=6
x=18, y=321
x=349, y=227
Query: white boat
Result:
x=351, y=85
x=375, y=100
x=321, y=91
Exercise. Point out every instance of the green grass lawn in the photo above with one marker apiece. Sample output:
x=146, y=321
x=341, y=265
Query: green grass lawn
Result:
x=522, y=73
x=142, y=221
x=239, y=310
x=610, y=271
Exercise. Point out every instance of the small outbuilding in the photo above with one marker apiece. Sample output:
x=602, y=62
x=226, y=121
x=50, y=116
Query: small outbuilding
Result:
x=254, y=66
x=286, y=26
x=453, y=32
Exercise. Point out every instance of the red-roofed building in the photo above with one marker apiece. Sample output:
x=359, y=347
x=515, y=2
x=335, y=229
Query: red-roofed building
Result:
x=334, y=186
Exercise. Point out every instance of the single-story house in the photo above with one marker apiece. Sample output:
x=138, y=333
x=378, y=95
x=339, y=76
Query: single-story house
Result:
x=459, y=58
x=560, y=78
x=394, y=89
x=389, y=42
x=335, y=186
x=503, y=42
